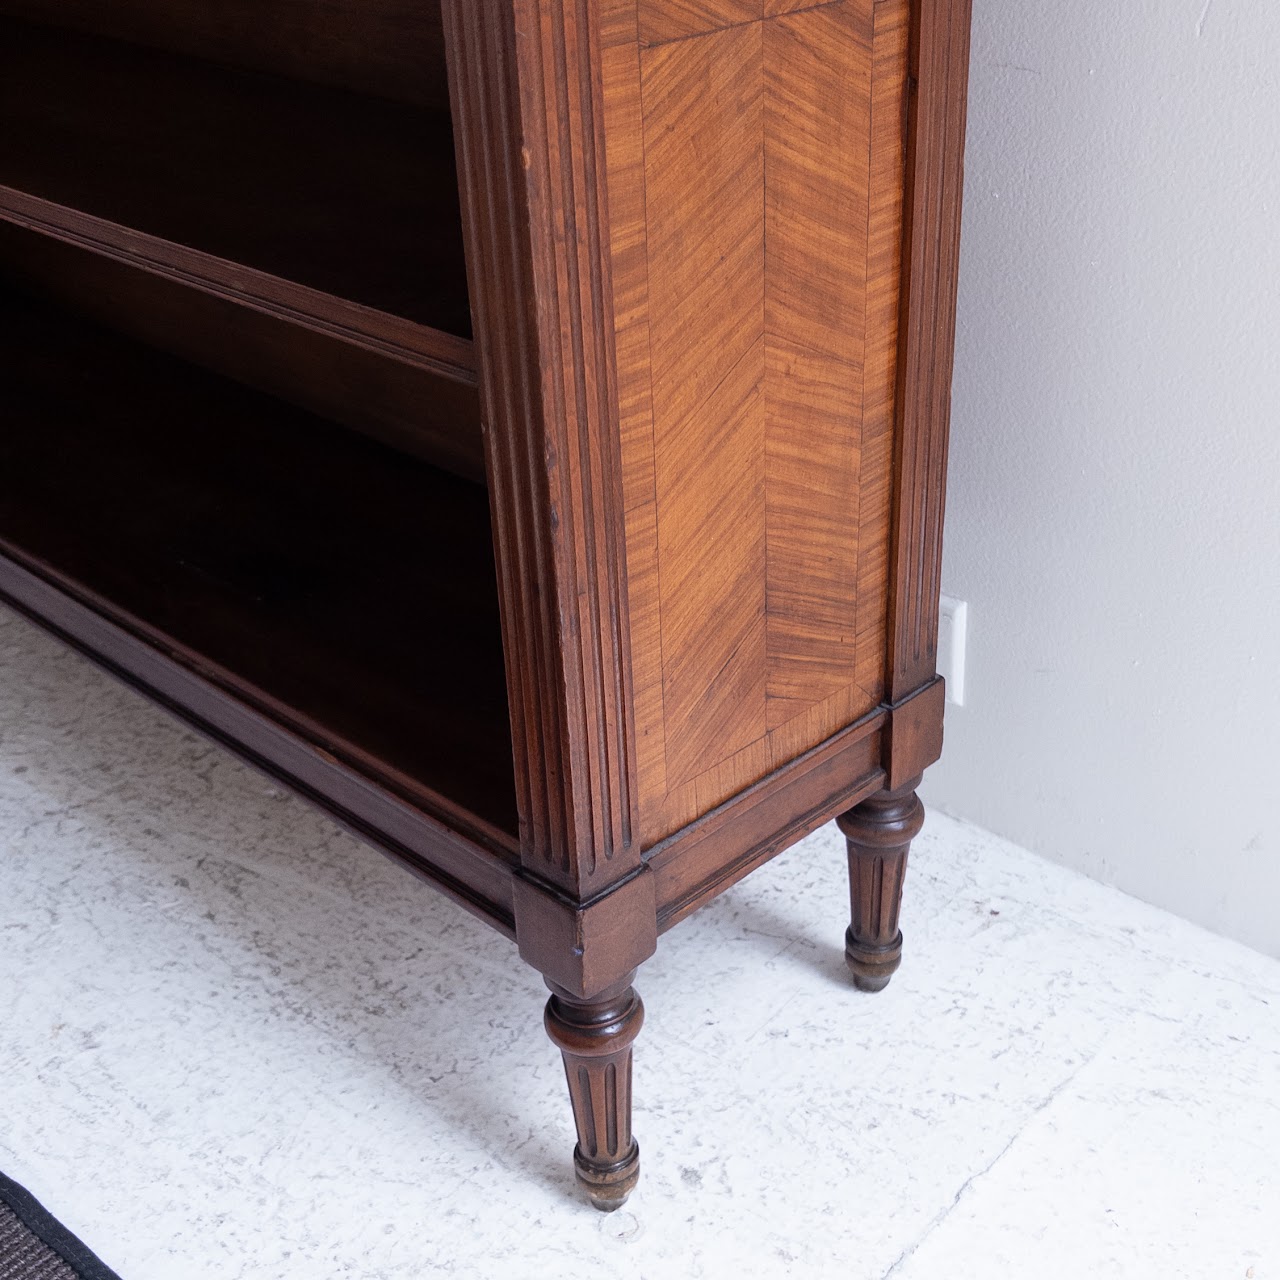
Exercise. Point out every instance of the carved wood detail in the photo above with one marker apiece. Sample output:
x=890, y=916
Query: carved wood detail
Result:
x=595, y=1039
x=529, y=127
x=879, y=832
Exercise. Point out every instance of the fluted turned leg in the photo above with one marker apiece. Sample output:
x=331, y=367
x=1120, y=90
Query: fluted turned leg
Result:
x=879, y=832
x=595, y=1038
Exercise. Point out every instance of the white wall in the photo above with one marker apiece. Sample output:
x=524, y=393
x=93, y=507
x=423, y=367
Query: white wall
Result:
x=1114, y=503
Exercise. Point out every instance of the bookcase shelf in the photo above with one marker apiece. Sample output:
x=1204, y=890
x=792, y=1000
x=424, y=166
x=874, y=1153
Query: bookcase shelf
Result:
x=301, y=238
x=345, y=193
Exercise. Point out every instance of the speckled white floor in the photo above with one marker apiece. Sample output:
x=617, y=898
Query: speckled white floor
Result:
x=238, y=1044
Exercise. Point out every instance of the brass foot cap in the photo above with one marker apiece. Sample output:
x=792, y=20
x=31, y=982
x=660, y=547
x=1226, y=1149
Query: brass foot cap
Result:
x=872, y=967
x=608, y=1186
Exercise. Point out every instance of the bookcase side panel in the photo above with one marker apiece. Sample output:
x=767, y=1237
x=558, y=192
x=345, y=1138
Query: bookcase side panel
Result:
x=755, y=153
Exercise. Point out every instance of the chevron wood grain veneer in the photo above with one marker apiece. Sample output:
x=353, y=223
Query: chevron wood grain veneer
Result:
x=518, y=425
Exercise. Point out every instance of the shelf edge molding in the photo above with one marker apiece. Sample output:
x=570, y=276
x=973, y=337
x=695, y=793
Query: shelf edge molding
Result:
x=528, y=124
x=403, y=340
x=388, y=377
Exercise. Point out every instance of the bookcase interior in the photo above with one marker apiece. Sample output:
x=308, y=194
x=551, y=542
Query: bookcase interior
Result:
x=344, y=192
x=239, y=388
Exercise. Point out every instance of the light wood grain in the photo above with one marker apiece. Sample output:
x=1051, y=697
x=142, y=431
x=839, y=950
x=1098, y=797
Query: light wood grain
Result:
x=755, y=155
x=704, y=172
x=664, y=20
x=884, y=271
x=818, y=69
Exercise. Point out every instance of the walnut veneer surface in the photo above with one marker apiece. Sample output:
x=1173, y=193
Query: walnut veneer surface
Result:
x=701, y=362
x=756, y=209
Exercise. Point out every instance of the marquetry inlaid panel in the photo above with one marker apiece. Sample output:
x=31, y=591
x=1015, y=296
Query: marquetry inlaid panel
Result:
x=755, y=156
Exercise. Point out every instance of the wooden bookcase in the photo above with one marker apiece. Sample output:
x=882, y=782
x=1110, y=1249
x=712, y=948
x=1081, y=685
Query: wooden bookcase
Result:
x=518, y=425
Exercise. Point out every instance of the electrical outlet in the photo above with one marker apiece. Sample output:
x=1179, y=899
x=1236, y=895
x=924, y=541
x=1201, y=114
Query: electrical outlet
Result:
x=953, y=624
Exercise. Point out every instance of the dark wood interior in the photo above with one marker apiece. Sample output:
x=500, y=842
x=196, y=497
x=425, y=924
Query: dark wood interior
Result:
x=351, y=586
x=348, y=193
x=419, y=398
x=391, y=48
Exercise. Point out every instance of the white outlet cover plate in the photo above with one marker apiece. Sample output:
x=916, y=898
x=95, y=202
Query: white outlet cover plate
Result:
x=953, y=626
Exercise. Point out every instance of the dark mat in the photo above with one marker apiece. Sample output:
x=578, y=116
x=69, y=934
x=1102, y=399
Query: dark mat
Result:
x=35, y=1246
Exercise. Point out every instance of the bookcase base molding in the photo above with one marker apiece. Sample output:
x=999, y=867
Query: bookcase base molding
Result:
x=518, y=426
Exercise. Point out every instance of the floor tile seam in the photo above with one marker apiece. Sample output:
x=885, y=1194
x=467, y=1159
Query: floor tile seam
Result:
x=1028, y=1121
